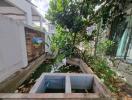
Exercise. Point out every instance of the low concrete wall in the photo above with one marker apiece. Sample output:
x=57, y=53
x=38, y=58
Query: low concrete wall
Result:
x=13, y=54
x=51, y=96
x=10, y=84
x=79, y=62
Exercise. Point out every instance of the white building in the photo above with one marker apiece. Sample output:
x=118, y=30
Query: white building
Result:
x=15, y=15
x=21, y=10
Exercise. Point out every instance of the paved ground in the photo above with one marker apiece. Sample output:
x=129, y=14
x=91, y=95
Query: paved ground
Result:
x=125, y=70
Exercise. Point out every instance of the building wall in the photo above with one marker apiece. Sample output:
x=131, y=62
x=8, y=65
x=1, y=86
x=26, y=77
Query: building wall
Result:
x=34, y=43
x=25, y=7
x=13, y=54
x=51, y=28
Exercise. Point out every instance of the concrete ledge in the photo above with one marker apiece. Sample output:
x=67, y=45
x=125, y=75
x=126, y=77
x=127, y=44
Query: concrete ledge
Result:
x=60, y=96
x=79, y=62
x=9, y=85
x=50, y=96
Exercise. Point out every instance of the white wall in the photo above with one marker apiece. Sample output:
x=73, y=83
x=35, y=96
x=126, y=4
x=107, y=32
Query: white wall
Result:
x=25, y=7
x=51, y=28
x=13, y=54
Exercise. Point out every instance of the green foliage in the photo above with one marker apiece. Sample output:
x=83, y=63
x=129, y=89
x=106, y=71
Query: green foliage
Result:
x=56, y=7
x=59, y=58
x=104, y=72
x=60, y=41
x=101, y=68
x=111, y=50
x=103, y=46
x=112, y=10
x=71, y=14
x=71, y=19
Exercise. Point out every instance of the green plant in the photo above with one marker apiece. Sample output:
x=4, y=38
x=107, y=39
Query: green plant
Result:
x=59, y=58
x=60, y=41
x=104, y=72
x=103, y=46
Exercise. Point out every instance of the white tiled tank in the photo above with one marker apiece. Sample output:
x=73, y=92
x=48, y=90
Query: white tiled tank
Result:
x=62, y=81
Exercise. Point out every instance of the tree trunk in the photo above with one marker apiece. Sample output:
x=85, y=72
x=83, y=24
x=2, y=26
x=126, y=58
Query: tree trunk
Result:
x=96, y=41
x=74, y=41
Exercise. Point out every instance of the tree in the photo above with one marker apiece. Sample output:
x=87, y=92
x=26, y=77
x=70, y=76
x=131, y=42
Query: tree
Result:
x=56, y=7
x=72, y=15
x=60, y=41
x=76, y=15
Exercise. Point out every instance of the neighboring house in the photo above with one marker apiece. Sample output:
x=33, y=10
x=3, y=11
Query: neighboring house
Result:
x=50, y=30
x=17, y=32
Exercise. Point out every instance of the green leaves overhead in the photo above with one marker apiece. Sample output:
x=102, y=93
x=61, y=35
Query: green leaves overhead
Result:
x=71, y=14
x=56, y=7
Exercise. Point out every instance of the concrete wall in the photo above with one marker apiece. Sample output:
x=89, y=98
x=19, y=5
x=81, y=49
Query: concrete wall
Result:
x=13, y=54
x=51, y=28
x=25, y=7
x=28, y=9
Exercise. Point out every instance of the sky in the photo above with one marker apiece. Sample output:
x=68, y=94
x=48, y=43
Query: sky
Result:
x=42, y=5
